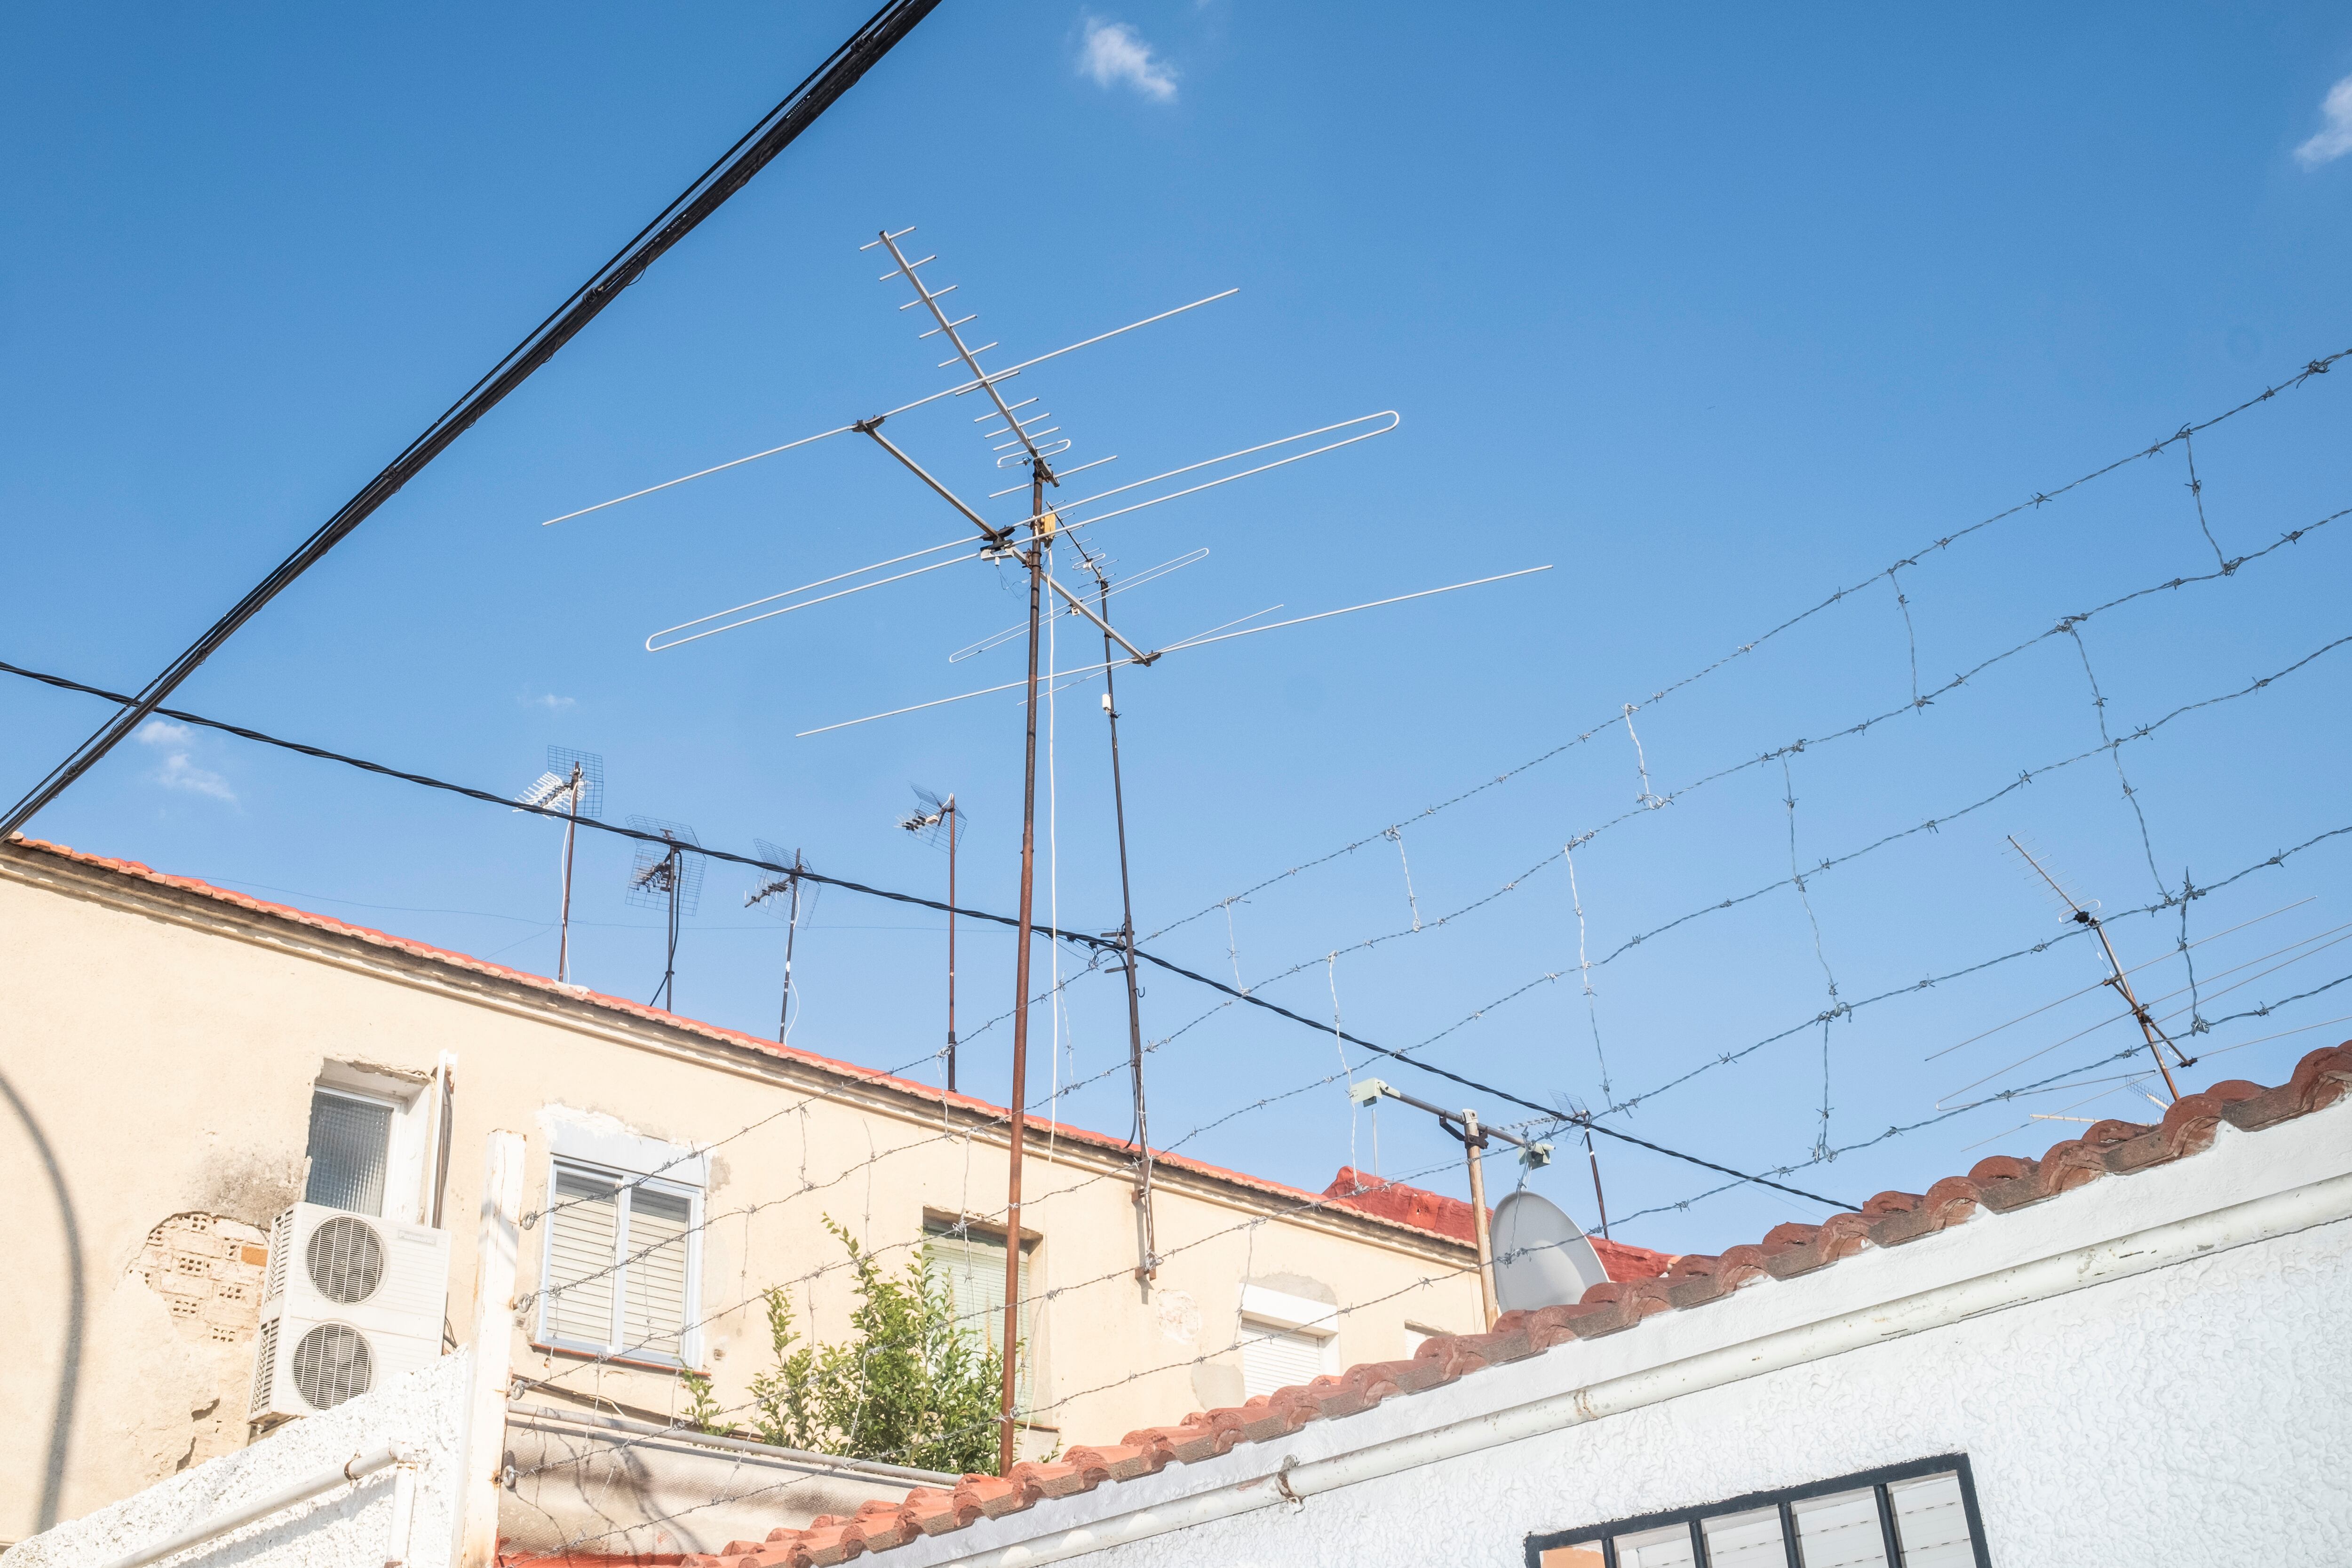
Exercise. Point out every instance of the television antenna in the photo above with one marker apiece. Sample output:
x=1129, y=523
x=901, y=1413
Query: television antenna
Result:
x=2149, y=1030
x=666, y=876
x=1024, y=440
x=574, y=782
x=788, y=887
x=1465, y=1126
x=936, y=818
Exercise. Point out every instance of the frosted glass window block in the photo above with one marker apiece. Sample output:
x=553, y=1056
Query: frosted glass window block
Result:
x=1750, y=1539
x=1931, y=1522
x=350, y=1141
x=1584, y=1555
x=1841, y=1530
x=1669, y=1547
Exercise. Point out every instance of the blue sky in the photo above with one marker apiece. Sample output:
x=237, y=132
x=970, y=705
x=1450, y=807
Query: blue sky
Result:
x=1713, y=314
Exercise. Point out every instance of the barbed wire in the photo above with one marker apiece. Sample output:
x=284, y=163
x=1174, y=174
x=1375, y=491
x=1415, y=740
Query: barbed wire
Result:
x=2063, y=627
x=2040, y=499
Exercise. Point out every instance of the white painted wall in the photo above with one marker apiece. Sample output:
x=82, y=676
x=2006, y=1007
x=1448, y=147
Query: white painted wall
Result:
x=2124, y=1398
x=348, y=1527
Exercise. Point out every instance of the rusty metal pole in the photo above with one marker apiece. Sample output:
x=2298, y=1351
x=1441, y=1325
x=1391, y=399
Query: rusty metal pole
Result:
x=1473, y=1141
x=1041, y=534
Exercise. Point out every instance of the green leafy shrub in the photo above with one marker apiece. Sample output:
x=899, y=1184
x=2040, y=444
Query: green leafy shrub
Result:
x=910, y=1386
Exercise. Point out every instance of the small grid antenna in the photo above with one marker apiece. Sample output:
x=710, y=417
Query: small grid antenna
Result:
x=666, y=876
x=575, y=785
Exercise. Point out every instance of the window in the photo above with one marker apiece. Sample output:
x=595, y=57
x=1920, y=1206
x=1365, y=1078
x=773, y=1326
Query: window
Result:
x=350, y=1148
x=1286, y=1340
x=1275, y=1358
x=620, y=1265
x=1920, y=1515
x=971, y=1264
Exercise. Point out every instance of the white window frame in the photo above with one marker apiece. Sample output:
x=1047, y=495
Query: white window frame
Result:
x=628, y=1183
x=1262, y=1310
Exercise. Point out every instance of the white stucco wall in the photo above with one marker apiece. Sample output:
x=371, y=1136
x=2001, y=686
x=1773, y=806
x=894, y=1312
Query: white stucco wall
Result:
x=2198, y=1410
x=349, y=1527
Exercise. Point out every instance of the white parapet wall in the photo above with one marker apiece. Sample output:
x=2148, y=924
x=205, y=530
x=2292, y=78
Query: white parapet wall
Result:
x=351, y=1525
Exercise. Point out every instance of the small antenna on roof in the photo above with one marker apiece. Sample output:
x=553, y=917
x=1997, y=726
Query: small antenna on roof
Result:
x=573, y=783
x=764, y=895
x=667, y=875
x=2081, y=914
x=936, y=818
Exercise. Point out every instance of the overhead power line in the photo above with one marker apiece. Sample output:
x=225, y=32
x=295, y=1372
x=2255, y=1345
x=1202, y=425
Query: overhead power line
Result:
x=758, y=146
x=1112, y=944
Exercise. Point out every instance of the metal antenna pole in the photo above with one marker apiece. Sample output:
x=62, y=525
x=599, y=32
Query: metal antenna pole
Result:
x=1041, y=538
x=949, y=812
x=2147, y=1027
x=571, y=832
x=1598, y=1201
x=1473, y=1141
x=669, y=959
x=791, y=938
x=1146, y=1270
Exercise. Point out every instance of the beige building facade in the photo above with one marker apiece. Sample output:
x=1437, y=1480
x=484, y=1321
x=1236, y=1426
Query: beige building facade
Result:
x=182, y=1064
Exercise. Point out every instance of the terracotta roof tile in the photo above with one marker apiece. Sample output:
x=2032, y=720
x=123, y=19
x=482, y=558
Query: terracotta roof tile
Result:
x=1425, y=1210
x=1889, y=1219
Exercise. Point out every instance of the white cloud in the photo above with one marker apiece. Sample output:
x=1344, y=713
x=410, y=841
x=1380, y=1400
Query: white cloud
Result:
x=1114, y=55
x=2337, y=140
x=553, y=703
x=179, y=773
x=179, y=770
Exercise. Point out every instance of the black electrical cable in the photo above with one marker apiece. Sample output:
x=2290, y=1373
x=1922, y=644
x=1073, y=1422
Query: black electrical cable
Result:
x=1113, y=944
x=758, y=146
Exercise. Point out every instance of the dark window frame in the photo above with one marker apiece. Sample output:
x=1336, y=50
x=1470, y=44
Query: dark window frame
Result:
x=1781, y=1498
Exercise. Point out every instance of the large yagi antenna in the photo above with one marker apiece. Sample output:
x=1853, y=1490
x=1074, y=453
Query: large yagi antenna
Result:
x=1025, y=433
x=574, y=784
x=667, y=876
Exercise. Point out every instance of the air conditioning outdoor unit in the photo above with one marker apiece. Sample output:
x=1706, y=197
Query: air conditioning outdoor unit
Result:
x=348, y=1301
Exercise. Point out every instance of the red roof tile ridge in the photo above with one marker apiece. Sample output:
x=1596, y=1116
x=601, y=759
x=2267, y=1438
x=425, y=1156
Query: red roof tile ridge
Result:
x=1890, y=1219
x=1039, y=1126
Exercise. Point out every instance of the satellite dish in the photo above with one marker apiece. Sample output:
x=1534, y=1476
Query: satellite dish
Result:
x=1541, y=1257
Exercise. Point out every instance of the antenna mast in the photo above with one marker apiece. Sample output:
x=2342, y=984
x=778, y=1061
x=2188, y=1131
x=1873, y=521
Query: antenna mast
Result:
x=669, y=878
x=2148, y=1025
x=1147, y=1241
x=577, y=779
x=937, y=815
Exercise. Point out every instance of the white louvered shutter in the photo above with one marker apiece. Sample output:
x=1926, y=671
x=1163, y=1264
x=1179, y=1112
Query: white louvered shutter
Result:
x=1277, y=1358
x=652, y=1313
x=583, y=1239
